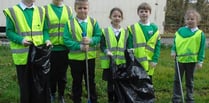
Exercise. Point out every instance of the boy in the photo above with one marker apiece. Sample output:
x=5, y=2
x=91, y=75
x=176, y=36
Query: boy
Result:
x=145, y=39
x=57, y=15
x=25, y=24
x=81, y=35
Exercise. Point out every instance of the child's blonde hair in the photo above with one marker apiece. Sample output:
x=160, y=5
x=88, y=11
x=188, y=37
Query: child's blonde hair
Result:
x=144, y=6
x=192, y=11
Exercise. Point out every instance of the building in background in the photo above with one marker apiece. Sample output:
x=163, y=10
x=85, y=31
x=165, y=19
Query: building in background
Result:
x=100, y=9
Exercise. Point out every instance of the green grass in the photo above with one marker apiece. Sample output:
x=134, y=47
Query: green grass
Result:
x=162, y=79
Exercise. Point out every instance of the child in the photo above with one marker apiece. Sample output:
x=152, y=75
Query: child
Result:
x=113, y=37
x=81, y=35
x=144, y=38
x=25, y=24
x=189, y=51
x=57, y=14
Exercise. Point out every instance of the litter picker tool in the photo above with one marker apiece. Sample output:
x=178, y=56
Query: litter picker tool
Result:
x=87, y=71
x=179, y=76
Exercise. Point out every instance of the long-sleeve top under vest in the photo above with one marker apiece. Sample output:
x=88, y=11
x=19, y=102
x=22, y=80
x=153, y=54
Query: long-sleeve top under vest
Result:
x=103, y=45
x=10, y=27
x=75, y=45
x=148, y=31
x=188, y=32
x=58, y=11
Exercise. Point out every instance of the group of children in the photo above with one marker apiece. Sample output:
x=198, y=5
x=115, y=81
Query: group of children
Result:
x=75, y=39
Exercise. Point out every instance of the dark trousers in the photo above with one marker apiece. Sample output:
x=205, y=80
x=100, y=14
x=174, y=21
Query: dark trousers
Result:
x=28, y=91
x=107, y=76
x=78, y=72
x=58, y=76
x=188, y=69
x=23, y=76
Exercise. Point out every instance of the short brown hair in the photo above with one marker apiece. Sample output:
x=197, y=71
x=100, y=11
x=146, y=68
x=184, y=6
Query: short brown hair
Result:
x=79, y=1
x=144, y=6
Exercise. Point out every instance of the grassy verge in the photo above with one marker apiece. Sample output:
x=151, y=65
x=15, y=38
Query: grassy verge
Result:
x=163, y=80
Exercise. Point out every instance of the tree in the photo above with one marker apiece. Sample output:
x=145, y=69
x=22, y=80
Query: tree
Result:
x=176, y=10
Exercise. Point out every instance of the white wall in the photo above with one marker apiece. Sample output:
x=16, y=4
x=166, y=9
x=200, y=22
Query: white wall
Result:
x=100, y=9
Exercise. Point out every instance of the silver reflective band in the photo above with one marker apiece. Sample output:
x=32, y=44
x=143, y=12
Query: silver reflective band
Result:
x=134, y=36
x=149, y=48
x=56, y=34
x=117, y=49
x=141, y=59
x=140, y=45
x=187, y=55
x=79, y=51
x=18, y=51
x=115, y=56
x=54, y=26
x=15, y=19
x=72, y=25
x=34, y=33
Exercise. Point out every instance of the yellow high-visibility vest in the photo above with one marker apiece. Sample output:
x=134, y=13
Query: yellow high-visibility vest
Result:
x=34, y=34
x=116, y=47
x=139, y=45
x=76, y=31
x=56, y=25
x=188, y=48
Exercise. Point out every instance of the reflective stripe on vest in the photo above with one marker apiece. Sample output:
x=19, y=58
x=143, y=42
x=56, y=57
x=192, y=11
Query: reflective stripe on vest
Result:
x=56, y=25
x=34, y=34
x=76, y=32
x=116, y=47
x=139, y=44
x=188, y=48
x=150, y=47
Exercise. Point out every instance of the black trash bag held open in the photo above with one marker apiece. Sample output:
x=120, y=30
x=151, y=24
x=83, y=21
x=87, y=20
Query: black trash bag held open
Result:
x=132, y=84
x=39, y=65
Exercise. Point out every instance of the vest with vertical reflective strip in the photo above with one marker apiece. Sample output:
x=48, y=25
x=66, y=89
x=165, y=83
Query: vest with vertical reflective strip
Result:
x=56, y=25
x=76, y=32
x=34, y=34
x=116, y=47
x=188, y=48
x=139, y=44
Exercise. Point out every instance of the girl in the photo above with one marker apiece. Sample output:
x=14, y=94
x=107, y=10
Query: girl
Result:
x=113, y=43
x=189, y=51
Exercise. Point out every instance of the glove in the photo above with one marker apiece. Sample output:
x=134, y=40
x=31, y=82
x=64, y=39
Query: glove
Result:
x=86, y=40
x=84, y=47
x=26, y=42
x=48, y=43
x=109, y=53
x=152, y=64
x=199, y=65
x=173, y=54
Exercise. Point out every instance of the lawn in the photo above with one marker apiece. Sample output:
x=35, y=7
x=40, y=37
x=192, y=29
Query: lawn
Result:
x=163, y=80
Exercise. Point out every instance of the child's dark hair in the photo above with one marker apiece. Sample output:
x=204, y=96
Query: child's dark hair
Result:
x=144, y=6
x=116, y=9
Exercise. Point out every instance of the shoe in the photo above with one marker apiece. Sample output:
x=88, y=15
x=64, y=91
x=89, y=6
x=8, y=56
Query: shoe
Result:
x=53, y=98
x=61, y=99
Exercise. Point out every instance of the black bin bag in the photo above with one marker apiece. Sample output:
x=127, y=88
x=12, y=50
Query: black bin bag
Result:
x=39, y=66
x=131, y=83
